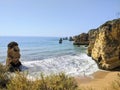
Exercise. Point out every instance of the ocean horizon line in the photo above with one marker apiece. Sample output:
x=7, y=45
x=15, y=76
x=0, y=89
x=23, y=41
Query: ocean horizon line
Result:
x=38, y=36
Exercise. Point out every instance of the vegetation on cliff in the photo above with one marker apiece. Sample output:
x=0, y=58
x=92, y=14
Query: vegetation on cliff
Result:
x=21, y=82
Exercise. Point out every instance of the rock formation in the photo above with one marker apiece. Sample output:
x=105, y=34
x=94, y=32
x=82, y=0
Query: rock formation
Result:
x=65, y=38
x=13, y=56
x=82, y=39
x=104, y=45
x=60, y=41
x=70, y=38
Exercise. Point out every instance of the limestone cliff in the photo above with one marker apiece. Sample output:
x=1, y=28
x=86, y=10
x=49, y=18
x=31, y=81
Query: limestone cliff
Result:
x=92, y=37
x=104, y=45
x=81, y=39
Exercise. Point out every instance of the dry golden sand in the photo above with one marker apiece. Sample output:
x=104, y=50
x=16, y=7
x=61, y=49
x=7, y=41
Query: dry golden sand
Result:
x=100, y=80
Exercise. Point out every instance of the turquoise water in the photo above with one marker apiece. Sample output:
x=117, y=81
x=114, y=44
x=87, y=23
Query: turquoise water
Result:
x=45, y=54
x=39, y=48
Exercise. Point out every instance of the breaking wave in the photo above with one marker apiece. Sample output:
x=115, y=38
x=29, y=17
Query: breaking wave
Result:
x=74, y=65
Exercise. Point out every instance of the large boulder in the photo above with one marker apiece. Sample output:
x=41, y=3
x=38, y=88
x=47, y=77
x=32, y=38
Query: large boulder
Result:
x=82, y=39
x=104, y=48
x=13, y=55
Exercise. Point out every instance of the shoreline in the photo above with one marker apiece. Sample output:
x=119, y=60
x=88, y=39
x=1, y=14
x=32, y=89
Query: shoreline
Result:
x=99, y=80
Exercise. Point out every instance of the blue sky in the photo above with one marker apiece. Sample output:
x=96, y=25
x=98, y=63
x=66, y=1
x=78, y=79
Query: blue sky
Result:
x=54, y=17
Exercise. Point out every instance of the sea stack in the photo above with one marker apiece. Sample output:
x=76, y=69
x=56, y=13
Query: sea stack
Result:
x=60, y=41
x=65, y=38
x=104, y=46
x=13, y=55
x=70, y=38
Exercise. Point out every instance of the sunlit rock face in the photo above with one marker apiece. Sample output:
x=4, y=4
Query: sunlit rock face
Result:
x=13, y=55
x=92, y=37
x=104, y=48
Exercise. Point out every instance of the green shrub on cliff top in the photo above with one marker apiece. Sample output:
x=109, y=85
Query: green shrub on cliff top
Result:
x=4, y=78
x=52, y=82
x=57, y=82
x=20, y=82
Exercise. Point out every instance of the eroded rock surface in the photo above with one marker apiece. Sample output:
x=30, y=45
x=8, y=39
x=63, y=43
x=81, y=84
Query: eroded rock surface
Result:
x=13, y=55
x=92, y=37
x=104, y=45
x=82, y=39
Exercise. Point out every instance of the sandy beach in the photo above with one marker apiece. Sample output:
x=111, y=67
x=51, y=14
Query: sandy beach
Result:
x=100, y=80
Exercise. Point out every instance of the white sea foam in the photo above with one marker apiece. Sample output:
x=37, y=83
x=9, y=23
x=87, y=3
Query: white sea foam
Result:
x=74, y=65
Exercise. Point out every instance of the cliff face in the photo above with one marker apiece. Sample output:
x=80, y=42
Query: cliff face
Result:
x=104, y=45
x=81, y=39
x=92, y=37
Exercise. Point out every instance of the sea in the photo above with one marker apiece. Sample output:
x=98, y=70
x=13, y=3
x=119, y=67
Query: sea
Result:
x=45, y=55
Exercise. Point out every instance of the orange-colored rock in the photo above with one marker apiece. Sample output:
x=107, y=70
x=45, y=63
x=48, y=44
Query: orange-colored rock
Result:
x=13, y=56
x=92, y=37
x=81, y=39
x=105, y=48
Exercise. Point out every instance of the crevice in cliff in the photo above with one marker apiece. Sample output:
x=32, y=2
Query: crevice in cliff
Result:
x=99, y=59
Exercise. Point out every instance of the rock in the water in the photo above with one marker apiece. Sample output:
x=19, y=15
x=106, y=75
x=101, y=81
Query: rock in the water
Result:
x=104, y=45
x=60, y=41
x=65, y=38
x=82, y=39
x=70, y=38
x=13, y=56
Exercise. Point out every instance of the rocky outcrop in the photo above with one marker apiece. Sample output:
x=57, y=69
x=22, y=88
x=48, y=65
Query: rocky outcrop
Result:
x=13, y=56
x=104, y=45
x=65, y=38
x=71, y=38
x=60, y=41
x=82, y=39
